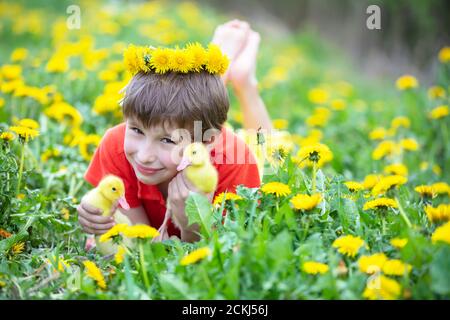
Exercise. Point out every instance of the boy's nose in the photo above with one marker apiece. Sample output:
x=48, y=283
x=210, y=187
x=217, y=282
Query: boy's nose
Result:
x=146, y=155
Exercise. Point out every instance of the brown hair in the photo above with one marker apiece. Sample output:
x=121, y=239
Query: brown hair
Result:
x=177, y=98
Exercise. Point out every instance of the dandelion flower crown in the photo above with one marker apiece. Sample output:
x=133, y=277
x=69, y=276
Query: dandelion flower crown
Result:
x=192, y=58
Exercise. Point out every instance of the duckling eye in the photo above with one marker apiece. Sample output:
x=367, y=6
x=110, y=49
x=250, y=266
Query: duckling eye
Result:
x=114, y=189
x=194, y=152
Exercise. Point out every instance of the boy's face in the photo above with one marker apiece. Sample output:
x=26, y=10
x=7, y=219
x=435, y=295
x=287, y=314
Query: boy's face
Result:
x=154, y=153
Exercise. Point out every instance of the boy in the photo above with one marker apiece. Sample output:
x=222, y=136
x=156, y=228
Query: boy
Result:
x=141, y=150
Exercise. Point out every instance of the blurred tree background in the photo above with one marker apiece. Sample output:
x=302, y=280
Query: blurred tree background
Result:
x=412, y=31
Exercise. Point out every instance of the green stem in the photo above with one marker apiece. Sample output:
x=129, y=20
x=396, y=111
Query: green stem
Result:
x=403, y=214
x=22, y=156
x=314, y=177
x=142, y=262
x=206, y=278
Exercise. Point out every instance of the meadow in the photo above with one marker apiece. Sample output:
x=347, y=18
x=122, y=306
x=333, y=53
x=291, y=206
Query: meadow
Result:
x=354, y=202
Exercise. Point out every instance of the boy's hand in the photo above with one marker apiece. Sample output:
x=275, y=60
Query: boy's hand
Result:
x=242, y=73
x=178, y=192
x=91, y=220
x=231, y=38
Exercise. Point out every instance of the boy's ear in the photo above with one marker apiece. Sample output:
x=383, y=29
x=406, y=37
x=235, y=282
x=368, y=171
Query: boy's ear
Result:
x=211, y=139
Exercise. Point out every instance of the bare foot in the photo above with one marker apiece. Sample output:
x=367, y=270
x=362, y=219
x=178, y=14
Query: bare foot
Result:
x=231, y=38
x=243, y=70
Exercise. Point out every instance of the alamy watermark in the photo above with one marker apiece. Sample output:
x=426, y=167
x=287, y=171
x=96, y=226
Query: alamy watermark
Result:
x=373, y=21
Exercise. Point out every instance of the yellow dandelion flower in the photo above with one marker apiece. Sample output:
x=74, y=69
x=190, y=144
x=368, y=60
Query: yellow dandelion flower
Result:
x=318, y=153
x=383, y=149
x=406, y=82
x=371, y=180
x=160, y=60
x=224, y=197
x=181, y=60
x=388, y=183
x=118, y=257
x=436, y=169
x=313, y=267
x=92, y=271
x=354, y=186
x=444, y=55
x=318, y=96
x=57, y=64
x=62, y=264
x=306, y=202
x=18, y=248
x=24, y=133
x=65, y=113
x=338, y=104
x=379, y=133
x=216, y=62
x=114, y=231
x=199, y=55
x=380, y=203
x=86, y=142
x=442, y=234
x=348, y=245
x=19, y=54
x=131, y=59
x=399, y=122
x=440, y=213
x=277, y=188
x=382, y=288
x=11, y=71
x=65, y=213
x=425, y=191
x=7, y=136
x=280, y=124
x=436, y=92
x=195, y=256
x=399, y=243
x=441, y=188
x=396, y=267
x=439, y=112
x=28, y=123
x=372, y=264
x=140, y=231
x=396, y=169
x=409, y=144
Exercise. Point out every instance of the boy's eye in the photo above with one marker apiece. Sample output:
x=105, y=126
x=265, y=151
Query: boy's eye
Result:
x=167, y=140
x=138, y=131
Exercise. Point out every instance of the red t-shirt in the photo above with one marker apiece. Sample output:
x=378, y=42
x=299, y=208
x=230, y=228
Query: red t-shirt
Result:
x=232, y=158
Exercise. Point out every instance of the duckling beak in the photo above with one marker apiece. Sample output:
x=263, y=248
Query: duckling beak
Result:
x=183, y=164
x=123, y=203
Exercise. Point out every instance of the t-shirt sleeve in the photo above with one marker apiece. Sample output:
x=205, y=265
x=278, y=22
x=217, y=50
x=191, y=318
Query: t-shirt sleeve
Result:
x=106, y=161
x=233, y=175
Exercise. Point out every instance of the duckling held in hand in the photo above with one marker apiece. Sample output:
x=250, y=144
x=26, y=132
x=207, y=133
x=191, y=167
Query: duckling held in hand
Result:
x=198, y=167
x=110, y=190
x=199, y=171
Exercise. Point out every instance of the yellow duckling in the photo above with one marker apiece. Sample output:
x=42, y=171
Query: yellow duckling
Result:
x=108, y=191
x=199, y=171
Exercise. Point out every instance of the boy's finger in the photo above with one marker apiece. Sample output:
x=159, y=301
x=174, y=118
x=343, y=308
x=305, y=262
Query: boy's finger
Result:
x=99, y=219
x=182, y=187
x=94, y=218
x=95, y=226
x=89, y=208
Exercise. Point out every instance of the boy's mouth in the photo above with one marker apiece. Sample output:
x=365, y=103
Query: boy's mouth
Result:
x=147, y=171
